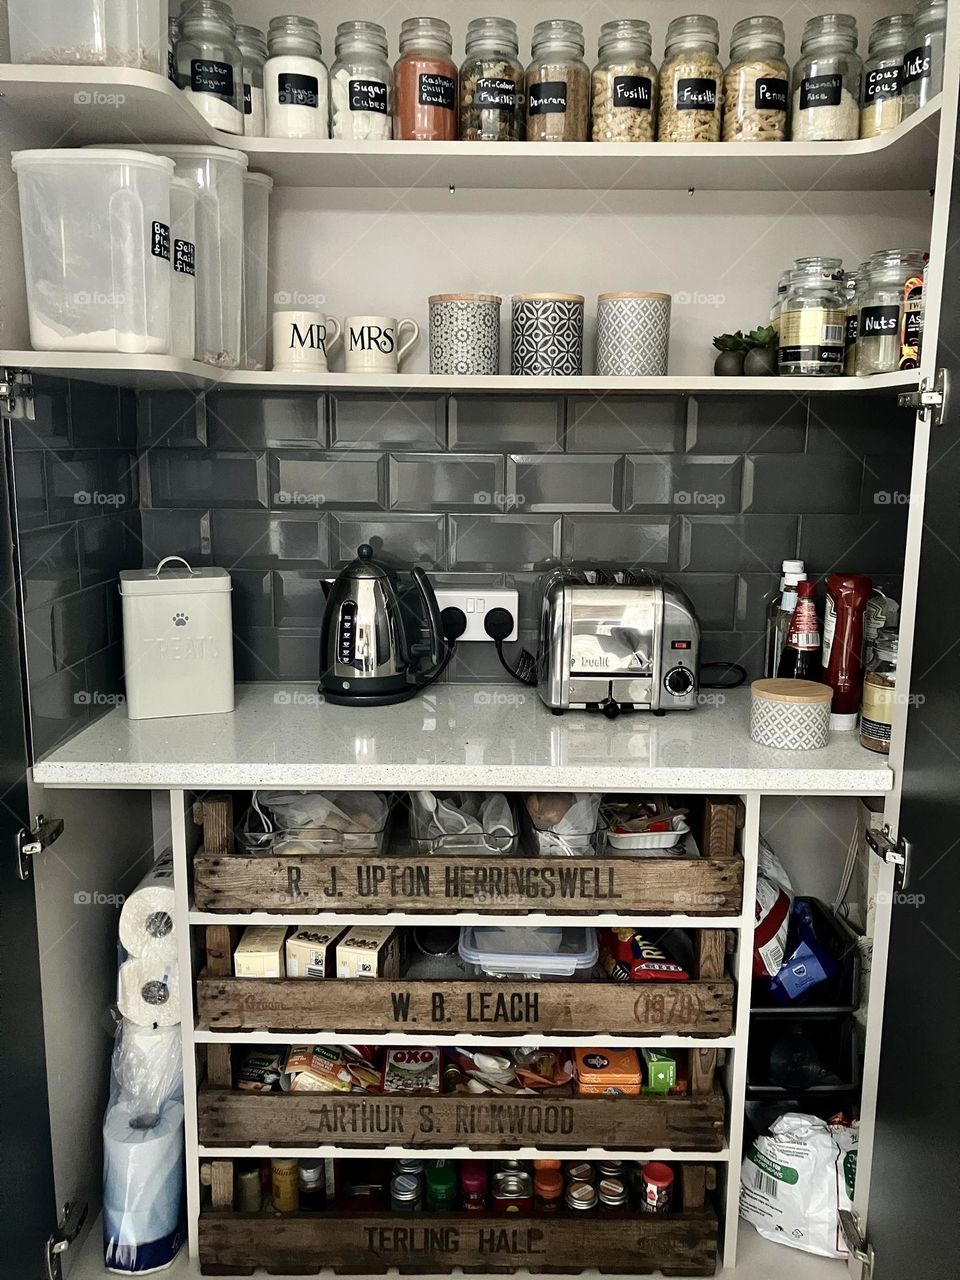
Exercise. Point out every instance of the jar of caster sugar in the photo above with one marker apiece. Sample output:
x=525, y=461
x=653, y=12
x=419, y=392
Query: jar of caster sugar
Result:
x=361, y=83
x=826, y=81
x=253, y=48
x=295, y=83
x=210, y=65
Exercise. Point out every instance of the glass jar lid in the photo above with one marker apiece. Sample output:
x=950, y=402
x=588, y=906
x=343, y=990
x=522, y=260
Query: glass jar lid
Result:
x=891, y=32
x=290, y=29
x=426, y=32
x=838, y=30
x=632, y=33
x=558, y=33
x=692, y=29
x=887, y=644
x=501, y=32
x=251, y=40
x=358, y=33
x=930, y=13
x=201, y=11
x=173, y=26
x=827, y=268
x=761, y=31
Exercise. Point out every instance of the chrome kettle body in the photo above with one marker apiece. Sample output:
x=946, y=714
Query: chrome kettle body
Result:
x=372, y=652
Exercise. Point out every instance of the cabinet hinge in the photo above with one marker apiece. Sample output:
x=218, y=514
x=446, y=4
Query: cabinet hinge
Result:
x=856, y=1242
x=46, y=831
x=68, y=1228
x=896, y=852
x=16, y=395
x=929, y=399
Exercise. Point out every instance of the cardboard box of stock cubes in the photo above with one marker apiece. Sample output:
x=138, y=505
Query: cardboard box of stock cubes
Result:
x=367, y=951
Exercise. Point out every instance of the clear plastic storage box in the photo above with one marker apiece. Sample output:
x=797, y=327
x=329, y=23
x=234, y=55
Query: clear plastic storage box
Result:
x=551, y=951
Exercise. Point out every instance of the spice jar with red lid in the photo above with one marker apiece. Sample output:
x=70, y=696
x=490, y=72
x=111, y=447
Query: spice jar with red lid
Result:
x=425, y=82
x=473, y=1186
x=656, y=1188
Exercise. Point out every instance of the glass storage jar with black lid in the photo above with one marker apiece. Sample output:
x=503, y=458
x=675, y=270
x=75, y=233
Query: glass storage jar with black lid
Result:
x=491, y=83
x=756, y=84
x=624, y=84
x=253, y=49
x=361, y=83
x=825, y=104
x=690, y=79
x=425, y=82
x=296, y=86
x=923, y=61
x=881, y=303
x=210, y=65
x=890, y=38
x=812, y=323
x=558, y=84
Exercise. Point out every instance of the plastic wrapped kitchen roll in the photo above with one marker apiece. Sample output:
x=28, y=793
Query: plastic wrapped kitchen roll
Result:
x=147, y=1065
x=150, y=992
x=143, y=1187
x=147, y=920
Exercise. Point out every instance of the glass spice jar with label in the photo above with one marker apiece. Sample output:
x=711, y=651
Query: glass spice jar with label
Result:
x=882, y=74
x=923, y=61
x=756, y=84
x=690, y=81
x=624, y=84
x=295, y=83
x=879, y=692
x=361, y=83
x=812, y=323
x=210, y=65
x=558, y=84
x=881, y=302
x=491, y=83
x=825, y=104
x=253, y=49
x=425, y=82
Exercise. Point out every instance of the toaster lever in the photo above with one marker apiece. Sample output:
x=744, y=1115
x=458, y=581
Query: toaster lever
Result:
x=610, y=708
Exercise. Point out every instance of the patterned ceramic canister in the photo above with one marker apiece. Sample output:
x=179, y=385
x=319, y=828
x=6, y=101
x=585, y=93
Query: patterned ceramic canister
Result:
x=793, y=715
x=633, y=335
x=547, y=333
x=465, y=334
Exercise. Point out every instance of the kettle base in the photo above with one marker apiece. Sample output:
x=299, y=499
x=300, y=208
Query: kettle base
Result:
x=351, y=699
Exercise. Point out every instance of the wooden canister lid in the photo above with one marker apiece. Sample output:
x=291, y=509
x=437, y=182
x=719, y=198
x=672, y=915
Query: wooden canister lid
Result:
x=548, y=297
x=612, y=297
x=465, y=297
x=808, y=692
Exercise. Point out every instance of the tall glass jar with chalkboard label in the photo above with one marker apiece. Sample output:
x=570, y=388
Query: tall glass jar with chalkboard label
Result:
x=825, y=105
x=210, y=65
x=558, y=84
x=812, y=323
x=253, y=48
x=923, y=61
x=690, y=81
x=890, y=38
x=881, y=300
x=425, y=82
x=624, y=97
x=756, y=83
x=491, y=83
x=295, y=82
x=361, y=83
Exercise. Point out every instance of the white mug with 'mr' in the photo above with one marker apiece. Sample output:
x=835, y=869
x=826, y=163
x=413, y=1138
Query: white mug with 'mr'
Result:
x=302, y=340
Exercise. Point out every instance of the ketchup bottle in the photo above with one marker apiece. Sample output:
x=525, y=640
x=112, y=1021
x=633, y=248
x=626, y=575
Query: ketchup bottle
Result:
x=847, y=596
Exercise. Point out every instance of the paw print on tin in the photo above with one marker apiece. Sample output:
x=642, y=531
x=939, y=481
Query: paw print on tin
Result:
x=181, y=619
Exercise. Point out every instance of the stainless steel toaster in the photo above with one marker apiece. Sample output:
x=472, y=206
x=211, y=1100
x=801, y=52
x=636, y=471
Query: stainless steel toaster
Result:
x=616, y=640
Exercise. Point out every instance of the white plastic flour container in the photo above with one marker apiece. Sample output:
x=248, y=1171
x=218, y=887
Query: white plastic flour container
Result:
x=96, y=248
x=183, y=298
x=104, y=33
x=177, y=640
x=256, y=227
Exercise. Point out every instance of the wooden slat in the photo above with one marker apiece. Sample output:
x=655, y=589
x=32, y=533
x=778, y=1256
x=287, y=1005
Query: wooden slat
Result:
x=682, y=1244
x=220, y=1066
x=373, y=1004
x=233, y=1118
x=444, y=883
x=215, y=814
x=693, y=1185
x=710, y=949
x=703, y=1068
x=220, y=943
x=723, y=816
x=218, y=1176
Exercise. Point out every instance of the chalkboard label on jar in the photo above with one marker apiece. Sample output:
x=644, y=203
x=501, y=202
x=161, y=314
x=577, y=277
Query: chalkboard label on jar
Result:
x=853, y=328
x=438, y=91
x=548, y=98
x=881, y=84
x=820, y=91
x=633, y=91
x=295, y=90
x=172, y=67
x=879, y=321
x=912, y=328
x=368, y=95
x=212, y=77
x=184, y=257
x=770, y=94
x=160, y=240
x=917, y=65
x=248, y=99
x=496, y=91
x=697, y=94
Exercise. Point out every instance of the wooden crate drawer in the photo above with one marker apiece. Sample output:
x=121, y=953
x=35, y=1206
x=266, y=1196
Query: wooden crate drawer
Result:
x=680, y=1244
x=231, y=1118
x=445, y=1008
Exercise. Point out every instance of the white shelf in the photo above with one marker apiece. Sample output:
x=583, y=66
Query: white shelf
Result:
x=449, y=1039
x=169, y=373
x=423, y=919
x=388, y=1151
x=107, y=104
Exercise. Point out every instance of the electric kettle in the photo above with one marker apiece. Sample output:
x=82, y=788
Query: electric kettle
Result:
x=381, y=642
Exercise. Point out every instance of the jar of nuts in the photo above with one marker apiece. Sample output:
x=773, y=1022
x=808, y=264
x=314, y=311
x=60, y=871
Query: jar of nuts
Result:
x=890, y=39
x=826, y=81
x=625, y=84
x=690, y=81
x=558, y=84
x=756, y=84
x=491, y=83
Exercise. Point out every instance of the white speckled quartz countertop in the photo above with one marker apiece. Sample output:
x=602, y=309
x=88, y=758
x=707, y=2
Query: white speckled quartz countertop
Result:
x=453, y=736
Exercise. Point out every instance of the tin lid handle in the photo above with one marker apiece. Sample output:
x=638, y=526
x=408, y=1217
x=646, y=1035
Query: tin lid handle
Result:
x=167, y=560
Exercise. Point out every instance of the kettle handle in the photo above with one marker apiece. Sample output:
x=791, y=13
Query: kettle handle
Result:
x=432, y=609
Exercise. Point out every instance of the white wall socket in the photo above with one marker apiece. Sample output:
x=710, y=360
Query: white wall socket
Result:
x=476, y=602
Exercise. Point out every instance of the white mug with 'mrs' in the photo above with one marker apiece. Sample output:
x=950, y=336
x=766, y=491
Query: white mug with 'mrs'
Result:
x=371, y=344
x=303, y=339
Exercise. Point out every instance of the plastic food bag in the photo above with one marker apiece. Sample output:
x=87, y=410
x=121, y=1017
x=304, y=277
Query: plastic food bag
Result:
x=564, y=824
x=795, y=1180
x=448, y=819
x=808, y=963
x=774, y=899
x=147, y=1067
x=312, y=821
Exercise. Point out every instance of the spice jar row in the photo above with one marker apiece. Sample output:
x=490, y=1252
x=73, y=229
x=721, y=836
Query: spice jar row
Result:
x=277, y=85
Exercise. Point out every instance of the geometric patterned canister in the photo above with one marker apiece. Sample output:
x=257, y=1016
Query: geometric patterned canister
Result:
x=793, y=715
x=633, y=335
x=465, y=334
x=547, y=334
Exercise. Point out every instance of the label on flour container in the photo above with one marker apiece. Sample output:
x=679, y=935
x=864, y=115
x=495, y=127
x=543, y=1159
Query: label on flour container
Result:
x=184, y=257
x=160, y=240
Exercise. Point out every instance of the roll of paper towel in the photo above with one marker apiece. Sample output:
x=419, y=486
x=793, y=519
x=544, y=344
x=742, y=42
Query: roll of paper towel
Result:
x=147, y=925
x=143, y=1183
x=148, y=1065
x=150, y=992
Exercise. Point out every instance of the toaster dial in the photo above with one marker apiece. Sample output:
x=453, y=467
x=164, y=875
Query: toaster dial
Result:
x=679, y=681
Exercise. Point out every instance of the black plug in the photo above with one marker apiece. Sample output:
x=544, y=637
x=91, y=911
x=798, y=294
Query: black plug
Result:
x=498, y=624
x=453, y=623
